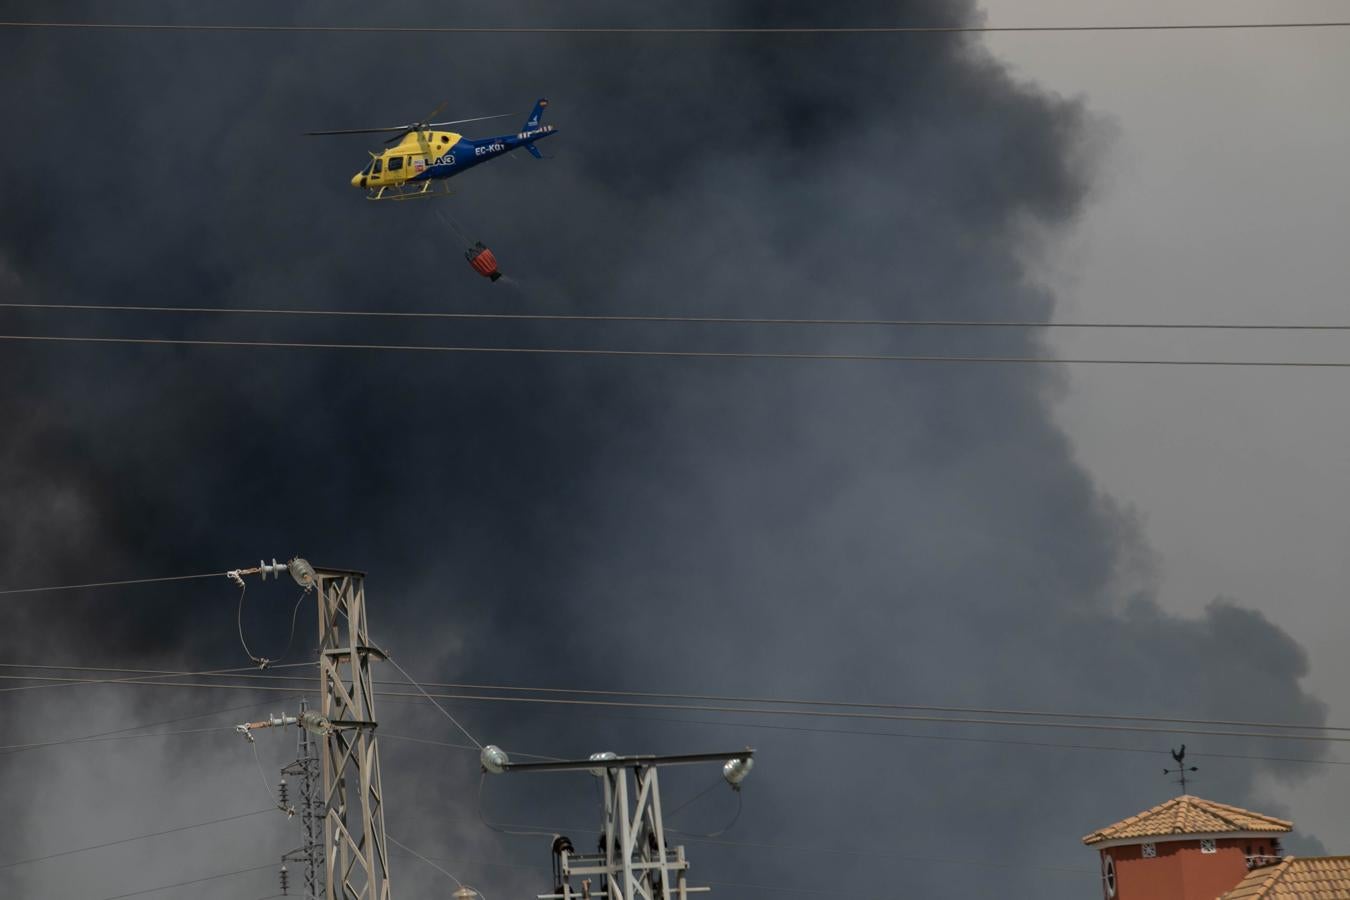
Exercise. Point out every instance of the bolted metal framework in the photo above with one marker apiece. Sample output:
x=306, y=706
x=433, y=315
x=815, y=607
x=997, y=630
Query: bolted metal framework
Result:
x=356, y=855
x=311, y=810
x=634, y=862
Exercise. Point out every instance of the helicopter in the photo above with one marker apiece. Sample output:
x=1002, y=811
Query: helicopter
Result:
x=422, y=157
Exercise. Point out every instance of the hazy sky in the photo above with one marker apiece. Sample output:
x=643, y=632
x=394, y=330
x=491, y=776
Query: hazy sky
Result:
x=1222, y=199
x=990, y=536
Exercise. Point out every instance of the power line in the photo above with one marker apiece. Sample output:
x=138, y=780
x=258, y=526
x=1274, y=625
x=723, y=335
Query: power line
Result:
x=893, y=717
x=743, y=724
x=165, y=887
x=49, y=667
x=64, y=682
x=421, y=690
x=99, y=584
x=679, y=319
x=669, y=30
x=114, y=737
x=424, y=859
x=882, y=853
x=890, y=717
x=139, y=837
x=907, y=735
x=384, y=735
x=739, y=723
x=974, y=710
x=684, y=354
x=87, y=738
x=724, y=698
x=564, y=829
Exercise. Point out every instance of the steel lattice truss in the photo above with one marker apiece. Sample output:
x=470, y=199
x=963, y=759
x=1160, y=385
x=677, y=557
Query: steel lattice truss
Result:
x=356, y=855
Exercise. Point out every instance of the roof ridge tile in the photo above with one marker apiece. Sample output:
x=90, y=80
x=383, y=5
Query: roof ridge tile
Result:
x=1188, y=814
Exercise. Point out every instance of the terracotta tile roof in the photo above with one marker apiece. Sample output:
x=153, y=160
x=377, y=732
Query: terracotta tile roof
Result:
x=1188, y=815
x=1296, y=878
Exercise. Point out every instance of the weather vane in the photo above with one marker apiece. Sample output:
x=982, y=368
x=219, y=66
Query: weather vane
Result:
x=1182, y=768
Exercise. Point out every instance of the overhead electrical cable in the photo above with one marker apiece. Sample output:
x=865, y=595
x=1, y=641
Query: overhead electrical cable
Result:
x=65, y=682
x=406, y=848
x=853, y=704
x=683, y=319
x=113, y=737
x=716, y=783
x=166, y=887
x=421, y=690
x=685, y=354
x=893, y=717
x=99, y=735
x=830, y=714
x=139, y=837
x=667, y=30
x=727, y=698
x=409, y=698
x=909, y=735
x=878, y=853
x=100, y=584
x=384, y=735
x=574, y=829
x=250, y=673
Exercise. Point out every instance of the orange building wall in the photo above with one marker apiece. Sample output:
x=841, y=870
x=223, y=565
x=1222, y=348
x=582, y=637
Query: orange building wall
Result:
x=1180, y=871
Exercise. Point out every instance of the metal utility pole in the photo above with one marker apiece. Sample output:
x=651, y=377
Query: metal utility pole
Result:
x=356, y=855
x=351, y=799
x=634, y=861
x=310, y=807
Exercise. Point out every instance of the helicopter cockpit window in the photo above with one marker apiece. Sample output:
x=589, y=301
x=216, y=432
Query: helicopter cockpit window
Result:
x=395, y=163
x=378, y=164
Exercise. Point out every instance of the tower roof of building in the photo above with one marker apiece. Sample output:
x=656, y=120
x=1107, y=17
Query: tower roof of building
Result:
x=1188, y=815
x=1296, y=878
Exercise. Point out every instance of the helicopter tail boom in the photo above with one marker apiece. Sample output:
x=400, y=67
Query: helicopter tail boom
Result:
x=536, y=115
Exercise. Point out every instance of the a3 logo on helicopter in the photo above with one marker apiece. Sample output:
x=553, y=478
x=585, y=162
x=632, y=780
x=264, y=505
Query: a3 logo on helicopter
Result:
x=420, y=165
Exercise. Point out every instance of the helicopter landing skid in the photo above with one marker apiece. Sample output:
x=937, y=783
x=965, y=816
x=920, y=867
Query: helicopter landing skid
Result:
x=408, y=192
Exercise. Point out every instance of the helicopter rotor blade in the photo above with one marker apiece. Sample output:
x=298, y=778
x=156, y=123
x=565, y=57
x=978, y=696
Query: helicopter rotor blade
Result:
x=435, y=112
x=360, y=130
x=404, y=129
x=463, y=121
x=424, y=126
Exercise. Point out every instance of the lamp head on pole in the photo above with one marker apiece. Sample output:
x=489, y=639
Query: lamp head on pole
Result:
x=494, y=759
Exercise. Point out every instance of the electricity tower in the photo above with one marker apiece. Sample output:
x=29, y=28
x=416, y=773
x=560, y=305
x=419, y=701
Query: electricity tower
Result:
x=351, y=799
x=356, y=855
x=635, y=861
x=306, y=768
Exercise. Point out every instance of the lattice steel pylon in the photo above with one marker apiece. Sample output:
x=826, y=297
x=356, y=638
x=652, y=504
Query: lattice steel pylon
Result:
x=356, y=855
x=634, y=861
x=306, y=768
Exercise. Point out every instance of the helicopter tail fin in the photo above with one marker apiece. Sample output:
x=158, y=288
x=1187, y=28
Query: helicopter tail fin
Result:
x=536, y=115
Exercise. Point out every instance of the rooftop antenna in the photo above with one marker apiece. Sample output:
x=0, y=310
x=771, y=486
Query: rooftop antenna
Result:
x=1182, y=768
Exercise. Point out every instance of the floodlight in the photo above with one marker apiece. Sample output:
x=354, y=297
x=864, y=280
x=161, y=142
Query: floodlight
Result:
x=599, y=771
x=494, y=759
x=736, y=768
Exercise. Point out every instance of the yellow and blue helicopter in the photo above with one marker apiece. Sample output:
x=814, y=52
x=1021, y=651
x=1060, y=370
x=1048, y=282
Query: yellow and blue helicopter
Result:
x=422, y=157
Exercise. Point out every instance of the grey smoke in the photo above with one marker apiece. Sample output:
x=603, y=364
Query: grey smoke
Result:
x=920, y=534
